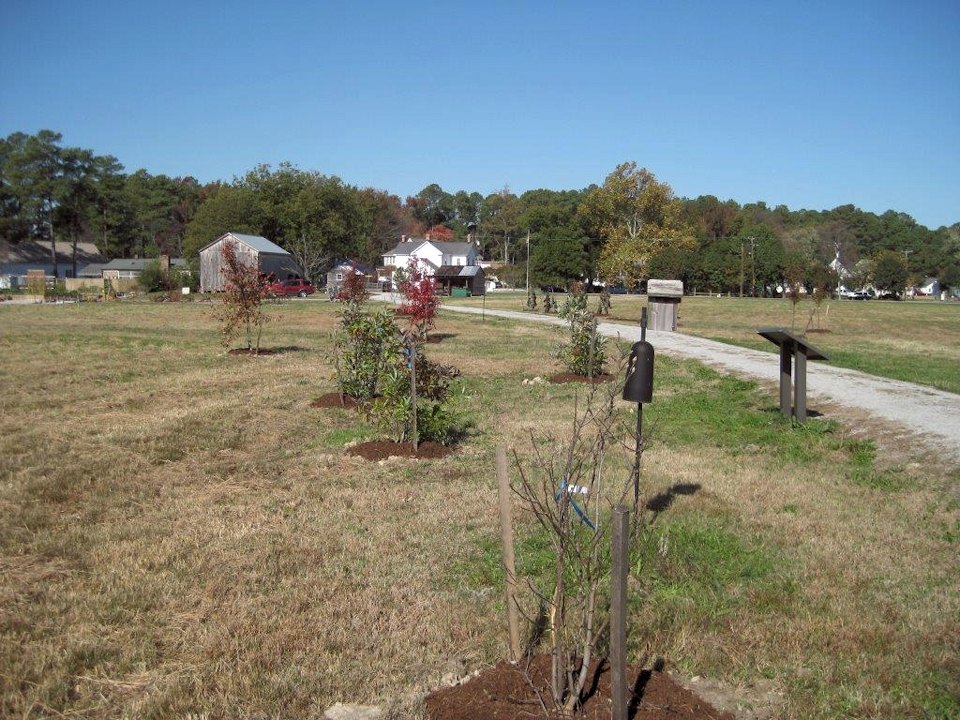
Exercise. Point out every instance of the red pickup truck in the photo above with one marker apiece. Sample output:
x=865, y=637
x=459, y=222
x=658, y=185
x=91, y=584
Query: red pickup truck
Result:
x=289, y=288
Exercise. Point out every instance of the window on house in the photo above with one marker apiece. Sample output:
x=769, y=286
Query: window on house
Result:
x=339, y=276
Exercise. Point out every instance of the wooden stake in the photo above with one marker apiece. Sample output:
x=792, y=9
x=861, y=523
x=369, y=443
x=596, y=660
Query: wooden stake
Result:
x=618, y=613
x=506, y=533
x=413, y=391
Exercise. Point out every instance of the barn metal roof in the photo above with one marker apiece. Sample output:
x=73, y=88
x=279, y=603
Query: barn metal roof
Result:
x=260, y=244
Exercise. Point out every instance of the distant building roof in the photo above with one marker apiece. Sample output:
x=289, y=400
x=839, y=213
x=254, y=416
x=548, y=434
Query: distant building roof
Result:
x=38, y=251
x=407, y=247
x=357, y=266
x=452, y=271
x=137, y=264
x=258, y=243
x=93, y=270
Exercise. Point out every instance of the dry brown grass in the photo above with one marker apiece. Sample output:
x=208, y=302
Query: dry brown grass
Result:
x=182, y=534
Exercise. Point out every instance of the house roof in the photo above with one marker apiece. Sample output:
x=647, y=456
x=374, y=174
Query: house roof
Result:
x=357, y=266
x=258, y=243
x=406, y=247
x=454, y=248
x=93, y=270
x=452, y=271
x=38, y=251
x=138, y=264
x=447, y=248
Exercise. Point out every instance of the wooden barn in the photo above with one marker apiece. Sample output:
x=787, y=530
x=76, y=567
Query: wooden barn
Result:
x=269, y=258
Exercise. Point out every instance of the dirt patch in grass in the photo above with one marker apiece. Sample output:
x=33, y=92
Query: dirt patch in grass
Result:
x=383, y=449
x=249, y=351
x=512, y=692
x=336, y=400
x=435, y=338
x=569, y=377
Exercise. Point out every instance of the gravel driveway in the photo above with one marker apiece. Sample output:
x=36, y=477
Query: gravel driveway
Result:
x=928, y=416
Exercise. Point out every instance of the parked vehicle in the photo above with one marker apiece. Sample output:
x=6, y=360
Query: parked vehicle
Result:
x=289, y=288
x=854, y=294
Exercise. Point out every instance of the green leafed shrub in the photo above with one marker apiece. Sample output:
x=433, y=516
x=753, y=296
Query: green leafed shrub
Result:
x=366, y=343
x=393, y=409
x=585, y=352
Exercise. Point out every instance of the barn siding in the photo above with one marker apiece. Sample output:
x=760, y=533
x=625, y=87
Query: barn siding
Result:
x=211, y=263
x=212, y=277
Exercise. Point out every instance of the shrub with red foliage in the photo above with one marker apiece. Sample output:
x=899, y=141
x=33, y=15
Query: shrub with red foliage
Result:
x=420, y=301
x=354, y=289
x=244, y=291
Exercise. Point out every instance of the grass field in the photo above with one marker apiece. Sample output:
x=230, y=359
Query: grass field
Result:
x=182, y=535
x=917, y=340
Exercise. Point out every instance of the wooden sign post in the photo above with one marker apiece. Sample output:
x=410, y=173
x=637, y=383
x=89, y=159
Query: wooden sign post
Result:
x=793, y=350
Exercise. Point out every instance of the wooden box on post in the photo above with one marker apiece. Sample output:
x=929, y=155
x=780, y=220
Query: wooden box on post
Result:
x=663, y=297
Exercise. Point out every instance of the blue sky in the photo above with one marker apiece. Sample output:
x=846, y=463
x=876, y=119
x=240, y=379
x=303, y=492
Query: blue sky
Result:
x=808, y=104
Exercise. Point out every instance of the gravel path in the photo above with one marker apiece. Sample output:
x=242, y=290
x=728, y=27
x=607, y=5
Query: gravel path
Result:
x=929, y=416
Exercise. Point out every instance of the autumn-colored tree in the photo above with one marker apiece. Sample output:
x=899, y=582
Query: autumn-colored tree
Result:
x=440, y=232
x=244, y=291
x=637, y=216
x=420, y=302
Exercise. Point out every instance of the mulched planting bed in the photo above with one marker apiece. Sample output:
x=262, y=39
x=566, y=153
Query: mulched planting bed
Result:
x=254, y=353
x=335, y=400
x=568, y=377
x=382, y=449
x=505, y=693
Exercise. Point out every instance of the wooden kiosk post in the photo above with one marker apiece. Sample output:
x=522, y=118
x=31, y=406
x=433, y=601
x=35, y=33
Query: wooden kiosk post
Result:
x=793, y=351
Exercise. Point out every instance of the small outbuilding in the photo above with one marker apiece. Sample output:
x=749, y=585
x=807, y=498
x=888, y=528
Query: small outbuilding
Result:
x=461, y=279
x=339, y=272
x=268, y=257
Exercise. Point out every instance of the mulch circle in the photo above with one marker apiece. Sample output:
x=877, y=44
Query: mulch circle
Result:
x=510, y=692
x=569, y=377
x=433, y=338
x=253, y=353
x=335, y=400
x=382, y=449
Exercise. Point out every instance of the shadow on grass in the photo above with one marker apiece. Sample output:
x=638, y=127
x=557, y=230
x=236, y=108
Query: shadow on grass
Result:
x=661, y=501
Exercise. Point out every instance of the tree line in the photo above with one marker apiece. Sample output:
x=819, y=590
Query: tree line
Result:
x=622, y=231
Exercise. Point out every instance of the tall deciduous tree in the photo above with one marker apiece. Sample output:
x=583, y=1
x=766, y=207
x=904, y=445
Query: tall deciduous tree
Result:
x=637, y=216
x=890, y=271
x=227, y=208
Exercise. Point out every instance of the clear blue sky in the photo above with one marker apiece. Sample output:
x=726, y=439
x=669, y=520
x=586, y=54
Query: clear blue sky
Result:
x=809, y=104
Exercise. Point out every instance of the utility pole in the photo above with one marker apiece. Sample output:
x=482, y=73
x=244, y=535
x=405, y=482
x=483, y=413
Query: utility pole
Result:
x=753, y=267
x=528, y=263
x=741, y=267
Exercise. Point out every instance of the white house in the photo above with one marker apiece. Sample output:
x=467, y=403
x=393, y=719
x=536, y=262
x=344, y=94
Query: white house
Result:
x=433, y=253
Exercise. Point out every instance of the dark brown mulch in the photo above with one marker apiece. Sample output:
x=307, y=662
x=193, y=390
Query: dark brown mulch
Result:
x=335, y=400
x=382, y=449
x=439, y=337
x=569, y=377
x=505, y=693
x=254, y=353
